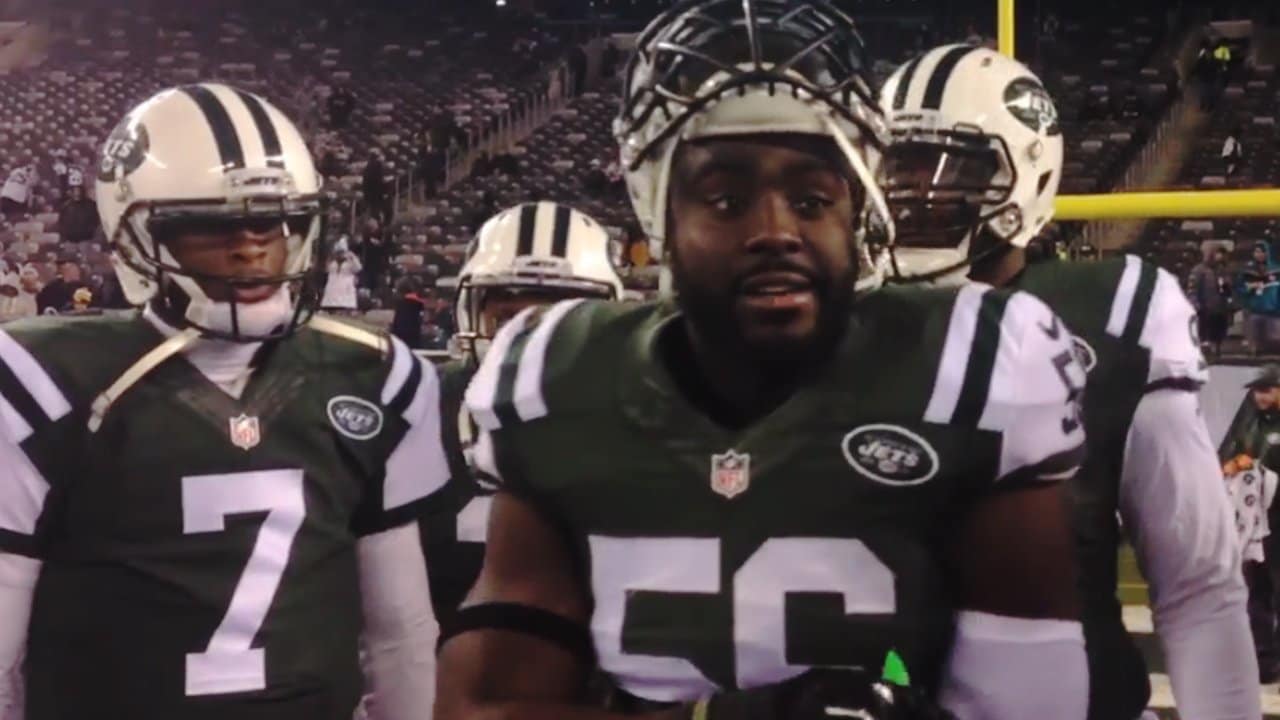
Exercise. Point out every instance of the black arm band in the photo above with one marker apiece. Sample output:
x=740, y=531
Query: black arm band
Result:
x=514, y=617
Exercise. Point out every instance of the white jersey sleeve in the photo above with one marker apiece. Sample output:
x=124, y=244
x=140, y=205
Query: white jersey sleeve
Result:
x=1171, y=336
x=416, y=468
x=1175, y=507
x=29, y=401
x=400, y=628
x=1033, y=388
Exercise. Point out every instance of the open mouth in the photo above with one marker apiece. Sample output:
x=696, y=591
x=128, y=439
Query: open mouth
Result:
x=778, y=290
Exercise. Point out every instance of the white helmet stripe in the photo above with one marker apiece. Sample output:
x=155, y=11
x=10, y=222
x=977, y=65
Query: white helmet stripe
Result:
x=224, y=130
x=266, y=129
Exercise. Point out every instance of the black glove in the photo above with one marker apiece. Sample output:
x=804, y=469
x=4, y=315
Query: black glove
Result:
x=823, y=694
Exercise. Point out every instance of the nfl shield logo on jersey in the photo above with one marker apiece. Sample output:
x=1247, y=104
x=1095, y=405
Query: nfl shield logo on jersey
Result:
x=730, y=473
x=244, y=431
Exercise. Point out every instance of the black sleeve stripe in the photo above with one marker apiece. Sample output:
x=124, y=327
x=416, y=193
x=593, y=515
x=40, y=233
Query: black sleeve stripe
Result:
x=19, y=544
x=405, y=394
x=504, y=403
x=558, y=630
x=1183, y=384
x=1044, y=471
x=1141, y=304
x=12, y=390
x=982, y=360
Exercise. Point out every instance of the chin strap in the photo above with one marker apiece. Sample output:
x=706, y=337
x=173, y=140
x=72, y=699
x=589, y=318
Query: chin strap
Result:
x=170, y=347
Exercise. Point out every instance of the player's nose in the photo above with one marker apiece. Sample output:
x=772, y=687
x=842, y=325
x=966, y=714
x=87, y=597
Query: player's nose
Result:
x=249, y=247
x=776, y=228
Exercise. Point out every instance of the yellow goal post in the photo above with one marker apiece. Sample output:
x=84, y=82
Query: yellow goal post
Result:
x=1148, y=204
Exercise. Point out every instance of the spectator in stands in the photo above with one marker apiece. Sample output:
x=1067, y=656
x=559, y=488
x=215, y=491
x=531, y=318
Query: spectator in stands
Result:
x=377, y=195
x=1211, y=296
x=330, y=166
x=60, y=171
x=340, y=290
x=1232, y=152
x=506, y=163
x=429, y=167
x=57, y=296
x=78, y=218
x=375, y=253
x=15, y=196
x=1258, y=293
x=22, y=302
x=482, y=167
x=1252, y=440
x=341, y=105
x=406, y=318
x=1049, y=28
x=594, y=181
x=609, y=59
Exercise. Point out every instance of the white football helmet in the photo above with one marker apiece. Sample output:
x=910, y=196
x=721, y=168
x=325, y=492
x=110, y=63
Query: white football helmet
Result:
x=541, y=247
x=975, y=162
x=738, y=67
x=210, y=154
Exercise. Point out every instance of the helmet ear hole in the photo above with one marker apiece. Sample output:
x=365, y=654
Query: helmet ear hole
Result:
x=1044, y=182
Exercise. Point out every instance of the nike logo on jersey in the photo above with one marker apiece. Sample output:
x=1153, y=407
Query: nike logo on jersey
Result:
x=1054, y=331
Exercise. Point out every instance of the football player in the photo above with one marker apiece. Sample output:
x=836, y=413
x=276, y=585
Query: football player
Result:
x=972, y=177
x=219, y=492
x=527, y=255
x=768, y=476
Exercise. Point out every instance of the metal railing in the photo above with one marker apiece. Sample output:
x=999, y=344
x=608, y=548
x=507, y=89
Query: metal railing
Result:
x=1157, y=146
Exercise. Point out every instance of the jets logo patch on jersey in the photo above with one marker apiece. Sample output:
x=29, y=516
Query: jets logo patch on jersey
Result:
x=1031, y=105
x=354, y=417
x=890, y=455
x=730, y=473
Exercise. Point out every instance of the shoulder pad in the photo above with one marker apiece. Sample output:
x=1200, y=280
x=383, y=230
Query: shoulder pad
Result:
x=337, y=328
x=509, y=385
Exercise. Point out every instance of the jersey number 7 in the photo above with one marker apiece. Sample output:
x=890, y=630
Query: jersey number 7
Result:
x=229, y=664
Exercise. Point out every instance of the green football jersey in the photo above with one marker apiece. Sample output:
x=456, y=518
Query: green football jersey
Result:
x=198, y=549
x=455, y=529
x=721, y=559
x=1134, y=331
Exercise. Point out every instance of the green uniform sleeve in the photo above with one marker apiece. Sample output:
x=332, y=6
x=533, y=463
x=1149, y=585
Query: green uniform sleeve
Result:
x=31, y=403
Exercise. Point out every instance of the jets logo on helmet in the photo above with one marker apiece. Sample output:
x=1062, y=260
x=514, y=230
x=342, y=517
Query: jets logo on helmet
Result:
x=975, y=161
x=739, y=67
x=210, y=153
x=124, y=151
x=541, y=249
x=1028, y=101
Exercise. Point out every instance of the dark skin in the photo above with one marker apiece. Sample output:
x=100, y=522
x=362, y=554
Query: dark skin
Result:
x=765, y=212
x=245, y=251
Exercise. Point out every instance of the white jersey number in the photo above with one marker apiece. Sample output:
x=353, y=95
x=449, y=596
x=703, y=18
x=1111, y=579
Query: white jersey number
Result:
x=623, y=565
x=229, y=664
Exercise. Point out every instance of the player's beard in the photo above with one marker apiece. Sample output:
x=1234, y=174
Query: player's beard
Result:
x=712, y=313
